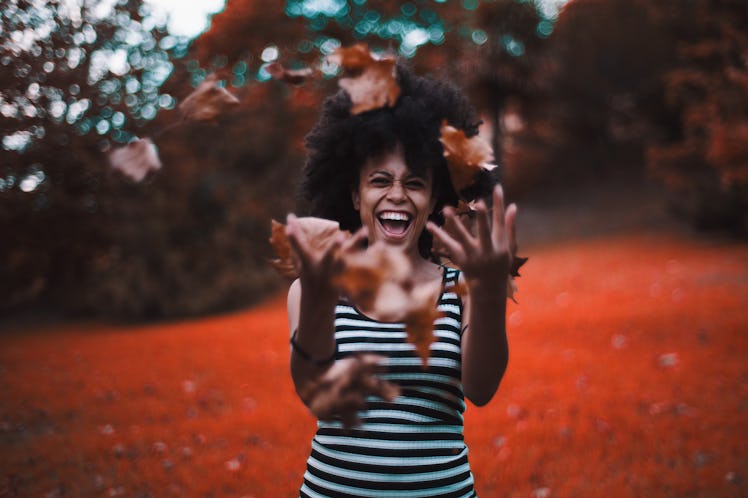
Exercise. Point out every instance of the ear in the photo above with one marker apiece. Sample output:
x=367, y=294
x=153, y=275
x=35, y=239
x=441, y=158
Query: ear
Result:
x=356, y=199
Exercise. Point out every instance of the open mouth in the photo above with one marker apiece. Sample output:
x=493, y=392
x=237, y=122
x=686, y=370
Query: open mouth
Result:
x=395, y=223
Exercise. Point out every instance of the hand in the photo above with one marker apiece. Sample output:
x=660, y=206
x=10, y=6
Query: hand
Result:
x=484, y=254
x=341, y=391
x=317, y=259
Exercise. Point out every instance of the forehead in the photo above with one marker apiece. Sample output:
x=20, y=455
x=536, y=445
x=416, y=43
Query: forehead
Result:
x=392, y=163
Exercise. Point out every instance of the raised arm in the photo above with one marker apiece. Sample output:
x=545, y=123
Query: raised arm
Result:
x=311, y=306
x=331, y=389
x=485, y=259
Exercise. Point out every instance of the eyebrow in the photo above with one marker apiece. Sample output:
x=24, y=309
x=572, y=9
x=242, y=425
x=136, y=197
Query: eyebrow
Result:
x=408, y=176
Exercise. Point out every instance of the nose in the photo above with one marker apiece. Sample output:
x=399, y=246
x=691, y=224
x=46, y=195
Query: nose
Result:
x=396, y=191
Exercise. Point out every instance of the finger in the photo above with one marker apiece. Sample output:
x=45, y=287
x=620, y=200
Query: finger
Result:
x=455, y=227
x=367, y=366
x=356, y=240
x=351, y=420
x=511, y=225
x=348, y=410
x=333, y=249
x=484, y=228
x=377, y=386
x=498, y=215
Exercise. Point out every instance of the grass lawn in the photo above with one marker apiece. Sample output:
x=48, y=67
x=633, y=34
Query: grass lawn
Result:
x=628, y=377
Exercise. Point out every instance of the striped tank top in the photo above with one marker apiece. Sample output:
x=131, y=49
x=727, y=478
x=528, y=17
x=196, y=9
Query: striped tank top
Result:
x=414, y=445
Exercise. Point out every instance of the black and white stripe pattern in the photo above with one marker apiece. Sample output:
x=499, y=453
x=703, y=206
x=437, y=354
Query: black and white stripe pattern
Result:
x=413, y=446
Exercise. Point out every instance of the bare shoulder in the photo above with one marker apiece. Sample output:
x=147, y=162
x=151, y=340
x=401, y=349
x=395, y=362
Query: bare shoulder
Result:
x=293, y=304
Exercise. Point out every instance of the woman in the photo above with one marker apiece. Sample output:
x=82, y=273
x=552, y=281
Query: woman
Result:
x=389, y=427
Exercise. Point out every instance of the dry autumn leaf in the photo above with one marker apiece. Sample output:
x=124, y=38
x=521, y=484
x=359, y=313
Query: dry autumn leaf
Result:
x=352, y=59
x=517, y=263
x=135, y=159
x=283, y=264
x=342, y=390
x=420, y=317
x=207, y=102
x=375, y=279
x=379, y=282
x=372, y=82
x=466, y=157
x=318, y=231
x=291, y=76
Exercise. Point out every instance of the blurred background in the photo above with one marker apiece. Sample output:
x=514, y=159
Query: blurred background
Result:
x=584, y=101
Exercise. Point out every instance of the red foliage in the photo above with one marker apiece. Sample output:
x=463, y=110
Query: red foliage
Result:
x=627, y=378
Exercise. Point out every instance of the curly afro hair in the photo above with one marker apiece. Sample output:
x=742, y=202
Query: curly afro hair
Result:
x=341, y=143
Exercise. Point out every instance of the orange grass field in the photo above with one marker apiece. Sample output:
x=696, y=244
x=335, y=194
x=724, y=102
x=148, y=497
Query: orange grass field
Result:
x=628, y=377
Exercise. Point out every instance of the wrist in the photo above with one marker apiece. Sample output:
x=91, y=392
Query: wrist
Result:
x=321, y=290
x=487, y=291
x=303, y=353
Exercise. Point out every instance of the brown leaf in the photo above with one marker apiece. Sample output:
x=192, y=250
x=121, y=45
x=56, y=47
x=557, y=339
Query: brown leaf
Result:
x=375, y=280
x=208, y=101
x=279, y=242
x=290, y=76
x=372, y=83
x=511, y=288
x=135, y=159
x=352, y=59
x=340, y=391
x=517, y=263
x=465, y=156
x=318, y=231
x=379, y=282
x=419, y=319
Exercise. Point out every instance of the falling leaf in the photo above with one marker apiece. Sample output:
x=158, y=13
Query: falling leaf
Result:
x=372, y=81
x=420, y=317
x=466, y=208
x=283, y=264
x=511, y=288
x=341, y=390
x=517, y=263
x=290, y=76
x=466, y=157
x=318, y=232
x=135, y=159
x=377, y=280
x=208, y=101
x=352, y=59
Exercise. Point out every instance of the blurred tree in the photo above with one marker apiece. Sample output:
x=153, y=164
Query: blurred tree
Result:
x=508, y=62
x=77, y=76
x=493, y=48
x=701, y=150
x=607, y=57
x=85, y=76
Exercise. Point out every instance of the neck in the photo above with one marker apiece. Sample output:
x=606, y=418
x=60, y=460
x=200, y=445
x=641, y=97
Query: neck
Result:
x=423, y=269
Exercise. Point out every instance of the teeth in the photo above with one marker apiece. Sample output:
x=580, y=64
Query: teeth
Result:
x=394, y=216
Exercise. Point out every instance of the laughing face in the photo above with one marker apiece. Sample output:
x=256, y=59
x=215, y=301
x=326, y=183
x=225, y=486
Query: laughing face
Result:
x=393, y=202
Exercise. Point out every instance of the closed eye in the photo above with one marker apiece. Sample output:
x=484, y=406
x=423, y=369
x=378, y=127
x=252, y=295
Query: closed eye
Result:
x=380, y=181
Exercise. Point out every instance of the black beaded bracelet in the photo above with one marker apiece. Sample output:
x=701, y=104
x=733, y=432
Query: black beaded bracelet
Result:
x=325, y=361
